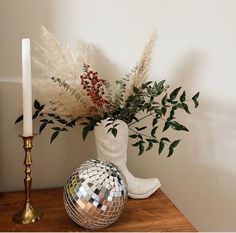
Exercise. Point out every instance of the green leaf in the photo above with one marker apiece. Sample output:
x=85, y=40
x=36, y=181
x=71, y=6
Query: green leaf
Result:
x=135, y=118
x=154, y=122
x=20, y=118
x=153, y=132
x=114, y=132
x=109, y=130
x=155, y=85
x=36, y=114
x=140, y=129
x=56, y=128
x=147, y=84
x=158, y=112
x=85, y=132
x=174, y=101
x=54, y=135
x=161, y=147
x=196, y=104
x=62, y=121
x=172, y=113
x=160, y=85
x=164, y=99
x=133, y=136
x=41, y=128
x=37, y=105
x=150, y=145
x=163, y=110
x=153, y=140
x=64, y=129
x=135, y=144
x=72, y=123
x=167, y=125
x=141, y=148
x=177, y=126
x=147, y=106
x=179, y=105
x=42, y=107
x=195, y=97
x=171, y=151
x=140, y=136
x=44, y=120
x=174, y=143
x=164, y=139
x=174, y=93
x=186, y=108
x=183, y=97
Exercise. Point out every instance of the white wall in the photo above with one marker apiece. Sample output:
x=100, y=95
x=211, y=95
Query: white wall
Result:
x=196, y=49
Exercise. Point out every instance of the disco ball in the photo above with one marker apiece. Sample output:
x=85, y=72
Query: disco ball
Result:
x=95, y=194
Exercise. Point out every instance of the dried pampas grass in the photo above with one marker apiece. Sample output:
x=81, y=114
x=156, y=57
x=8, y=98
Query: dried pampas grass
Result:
x=144, y=64
x=56, y=61
x=139, y=73
x=62, y=68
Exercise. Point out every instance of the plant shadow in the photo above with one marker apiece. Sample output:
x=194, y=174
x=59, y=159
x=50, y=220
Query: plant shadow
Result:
x=203, y=165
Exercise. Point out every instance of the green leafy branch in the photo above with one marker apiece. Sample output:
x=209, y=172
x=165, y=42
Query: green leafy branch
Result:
x=145, y=100
x=142, y=139
x=50, y=119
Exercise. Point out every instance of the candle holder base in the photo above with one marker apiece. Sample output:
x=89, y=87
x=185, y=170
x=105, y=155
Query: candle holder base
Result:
x=28, y=215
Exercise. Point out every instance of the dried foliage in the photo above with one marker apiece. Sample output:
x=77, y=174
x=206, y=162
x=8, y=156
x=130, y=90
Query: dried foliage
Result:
x=77, y=94
x=140, y=74
x=61, y=68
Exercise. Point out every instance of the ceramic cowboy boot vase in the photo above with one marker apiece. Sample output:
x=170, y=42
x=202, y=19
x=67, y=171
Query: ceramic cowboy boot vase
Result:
x=114, y=149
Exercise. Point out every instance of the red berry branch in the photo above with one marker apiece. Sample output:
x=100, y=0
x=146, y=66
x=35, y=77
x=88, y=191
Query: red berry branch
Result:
x=95, y=87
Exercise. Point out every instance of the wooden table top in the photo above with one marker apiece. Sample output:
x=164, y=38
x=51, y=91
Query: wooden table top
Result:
x=157, y=213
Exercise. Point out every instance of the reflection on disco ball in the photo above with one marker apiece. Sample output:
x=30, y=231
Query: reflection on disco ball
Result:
x=95, y=194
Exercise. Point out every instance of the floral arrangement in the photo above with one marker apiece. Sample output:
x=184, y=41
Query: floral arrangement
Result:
x=76, y=94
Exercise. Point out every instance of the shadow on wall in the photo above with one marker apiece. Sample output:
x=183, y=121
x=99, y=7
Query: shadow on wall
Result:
x=204, y=168
x=199, y=177
x=105, y=67
x=52, y=163
x=29, y=15
x=186, y=71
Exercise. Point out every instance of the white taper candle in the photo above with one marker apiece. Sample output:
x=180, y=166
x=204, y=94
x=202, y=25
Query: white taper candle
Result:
x=27, y=88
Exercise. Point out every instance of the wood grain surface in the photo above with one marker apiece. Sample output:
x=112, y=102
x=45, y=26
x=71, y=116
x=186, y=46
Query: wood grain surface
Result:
x=156, y=213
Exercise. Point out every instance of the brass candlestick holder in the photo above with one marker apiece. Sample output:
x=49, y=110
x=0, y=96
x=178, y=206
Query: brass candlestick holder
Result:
x=28, y=214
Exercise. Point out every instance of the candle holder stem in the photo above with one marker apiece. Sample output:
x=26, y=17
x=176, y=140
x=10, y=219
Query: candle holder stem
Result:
x=28, y=214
